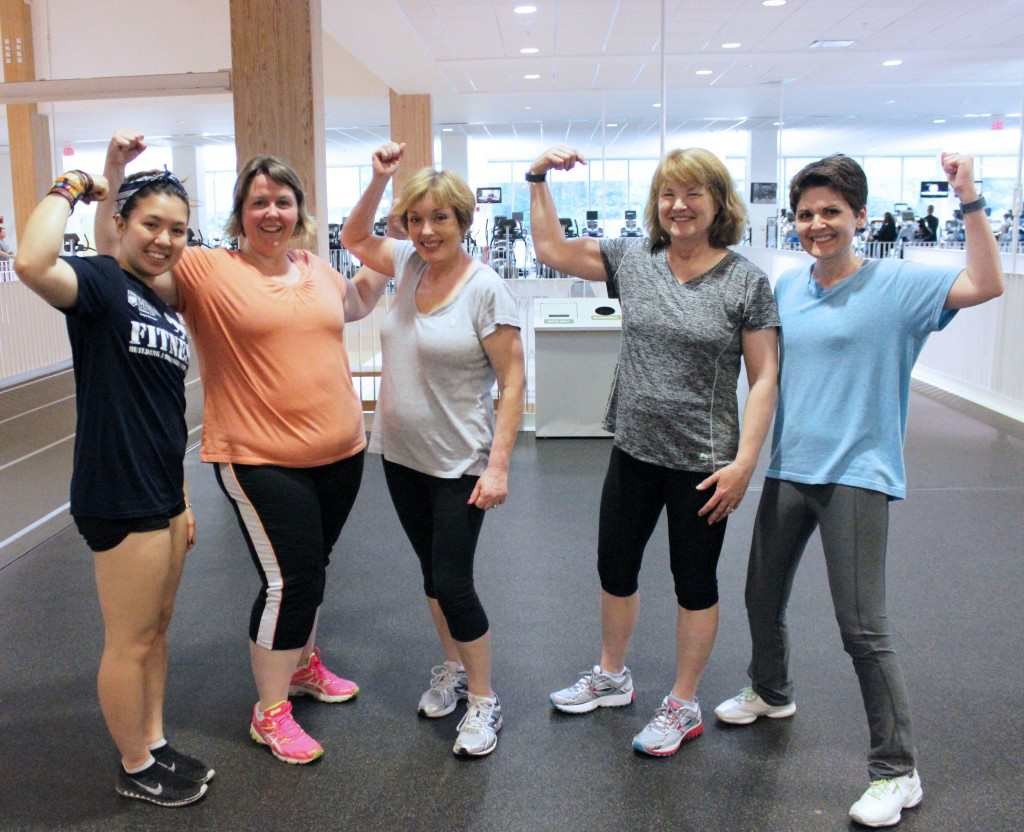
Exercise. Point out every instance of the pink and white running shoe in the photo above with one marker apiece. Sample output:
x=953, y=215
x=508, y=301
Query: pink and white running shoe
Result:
x=285, y=738
x=317, y=681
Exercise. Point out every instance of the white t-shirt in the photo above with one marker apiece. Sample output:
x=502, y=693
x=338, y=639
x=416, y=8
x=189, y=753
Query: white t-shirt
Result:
x=435, y=412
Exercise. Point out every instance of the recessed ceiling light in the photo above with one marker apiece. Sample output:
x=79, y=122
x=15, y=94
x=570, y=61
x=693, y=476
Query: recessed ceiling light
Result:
x=705, y=72
x=892, y=62
x=891, y=101
x=531, y=76
x=778, y=123
x=977, y=115
x=773, y=3
x=657, y=104
x=1013, y=115
x=529, y=50
x=831, y=44
x=938, y=121
x=524, y=9
x=612, y=124
x=733, y=44
x=527, y=107
x=447, y=129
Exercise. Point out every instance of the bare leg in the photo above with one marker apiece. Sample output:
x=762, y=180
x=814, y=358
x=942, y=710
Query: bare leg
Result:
x=449, y=645
x=476, y=656
x=272, y=670
x=695, y=638
x=130, y=581
x=307, y=651
x=618, y=620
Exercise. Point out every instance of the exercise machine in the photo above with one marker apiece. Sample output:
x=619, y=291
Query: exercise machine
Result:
x=592, y=229
x=631, y=229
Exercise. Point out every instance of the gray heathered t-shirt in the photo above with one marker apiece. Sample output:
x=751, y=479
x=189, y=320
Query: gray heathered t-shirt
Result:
x=673, y=400
x=435, y=412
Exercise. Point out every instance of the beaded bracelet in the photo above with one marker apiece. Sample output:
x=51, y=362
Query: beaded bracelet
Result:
x=72, y=185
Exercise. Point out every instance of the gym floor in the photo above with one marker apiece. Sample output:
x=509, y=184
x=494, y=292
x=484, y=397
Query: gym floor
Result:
x=955, y=583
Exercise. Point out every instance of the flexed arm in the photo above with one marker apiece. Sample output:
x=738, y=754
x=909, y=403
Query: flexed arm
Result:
x=357, y=235
x=581, y=257
x=125, y=146
x=38, y=264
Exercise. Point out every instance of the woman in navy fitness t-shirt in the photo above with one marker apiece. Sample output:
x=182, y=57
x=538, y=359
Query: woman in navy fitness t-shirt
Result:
x=128, y=498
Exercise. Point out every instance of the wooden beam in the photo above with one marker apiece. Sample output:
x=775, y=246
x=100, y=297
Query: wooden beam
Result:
x=278, y=91
x=411, y=123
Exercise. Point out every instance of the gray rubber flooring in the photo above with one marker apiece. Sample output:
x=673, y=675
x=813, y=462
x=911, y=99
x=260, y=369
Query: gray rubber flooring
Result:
x=955, y=586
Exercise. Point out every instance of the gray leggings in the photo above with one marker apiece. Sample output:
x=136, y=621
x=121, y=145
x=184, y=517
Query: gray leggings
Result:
x=854, y=527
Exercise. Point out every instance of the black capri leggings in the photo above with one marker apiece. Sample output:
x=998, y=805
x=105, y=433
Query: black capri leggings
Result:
x=290, y=519
x=443, y=529
x=633, y=496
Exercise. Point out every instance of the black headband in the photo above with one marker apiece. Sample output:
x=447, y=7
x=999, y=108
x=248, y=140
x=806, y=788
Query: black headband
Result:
x=129, y=189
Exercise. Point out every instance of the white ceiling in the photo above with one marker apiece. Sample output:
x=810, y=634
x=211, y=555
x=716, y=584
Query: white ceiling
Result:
x=598, y=62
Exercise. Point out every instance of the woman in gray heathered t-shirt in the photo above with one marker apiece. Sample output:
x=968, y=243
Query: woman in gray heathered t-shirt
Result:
x=690, y=310
x=452, y=331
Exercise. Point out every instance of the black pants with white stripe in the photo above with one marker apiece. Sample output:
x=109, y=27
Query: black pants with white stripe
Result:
x=290, y=519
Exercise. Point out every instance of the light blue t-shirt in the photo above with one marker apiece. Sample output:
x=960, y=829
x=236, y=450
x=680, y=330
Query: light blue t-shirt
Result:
x=844, y=384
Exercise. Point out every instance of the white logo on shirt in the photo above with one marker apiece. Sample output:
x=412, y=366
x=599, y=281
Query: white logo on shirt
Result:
x=146, y=309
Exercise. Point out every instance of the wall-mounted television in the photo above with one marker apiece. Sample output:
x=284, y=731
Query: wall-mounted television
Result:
x=939, y=189
x=488, y=196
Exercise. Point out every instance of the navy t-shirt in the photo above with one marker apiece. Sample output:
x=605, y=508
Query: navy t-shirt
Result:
x=130, y=353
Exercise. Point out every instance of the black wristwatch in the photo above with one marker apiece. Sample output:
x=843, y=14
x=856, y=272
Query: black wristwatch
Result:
x=971, y=207
x=535, y=177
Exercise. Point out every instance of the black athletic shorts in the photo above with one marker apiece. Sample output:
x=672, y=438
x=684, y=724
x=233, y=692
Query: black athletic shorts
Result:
x=103, y=533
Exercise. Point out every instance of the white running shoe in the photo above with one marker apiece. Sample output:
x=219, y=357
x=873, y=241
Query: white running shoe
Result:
x=595, y=689
x=478, y=728
x=747, y=706
x=884, y=800
x=448, y=687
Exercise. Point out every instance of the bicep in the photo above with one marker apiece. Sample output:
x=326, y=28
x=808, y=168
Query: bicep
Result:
x=362, y=293
x=580, y=258
x=761, y=353
x=58, y=285
x=378, y=253
x=963, y=293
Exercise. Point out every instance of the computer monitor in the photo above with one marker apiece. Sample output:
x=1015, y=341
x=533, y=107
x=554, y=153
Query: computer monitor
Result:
x=938, y=189
x=630, y=214
x=488, y=196
x=517, y=216
x=591, y=215
x=907, y=216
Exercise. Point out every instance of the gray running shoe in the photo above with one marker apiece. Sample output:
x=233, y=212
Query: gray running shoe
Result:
x=672, y=726
x=448, y=686
x=595, y=689
x=478, y=728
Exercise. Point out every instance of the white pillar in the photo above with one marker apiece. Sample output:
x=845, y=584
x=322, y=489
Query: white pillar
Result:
x=183, y=165
x=455, y=153
x=764, y=167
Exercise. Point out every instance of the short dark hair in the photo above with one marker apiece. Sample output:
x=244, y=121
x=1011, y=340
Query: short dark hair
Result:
x=168, y=186
x=838, y=172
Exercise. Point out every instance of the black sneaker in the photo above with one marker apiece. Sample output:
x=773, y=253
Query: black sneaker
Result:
x=158, y=785
x=181, y=764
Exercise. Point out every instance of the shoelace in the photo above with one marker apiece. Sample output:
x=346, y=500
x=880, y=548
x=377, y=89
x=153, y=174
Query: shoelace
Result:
x=747, y=695
x=443, y=678
x=666, y=717
x=879, y=788
x=479, y=715
x=285, y=728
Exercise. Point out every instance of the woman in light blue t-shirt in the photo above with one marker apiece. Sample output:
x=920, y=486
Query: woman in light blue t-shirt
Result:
x=851, y=332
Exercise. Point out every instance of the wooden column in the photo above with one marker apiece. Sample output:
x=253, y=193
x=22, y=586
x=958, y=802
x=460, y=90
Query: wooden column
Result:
x=411, y=123
x=28, y=131
x=277, y=81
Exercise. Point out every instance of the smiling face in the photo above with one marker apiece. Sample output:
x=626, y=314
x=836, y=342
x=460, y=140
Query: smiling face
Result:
x=434, y=230
x=270, y=213
x=826, y=224
x=685, y=211
x=154, y=234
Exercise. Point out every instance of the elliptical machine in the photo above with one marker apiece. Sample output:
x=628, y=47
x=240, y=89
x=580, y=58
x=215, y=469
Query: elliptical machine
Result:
x=507, y=231
x=592, y=229
x=631, y=229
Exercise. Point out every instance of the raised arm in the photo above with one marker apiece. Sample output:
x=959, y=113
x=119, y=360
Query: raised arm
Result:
x=504, y=348
x=761, y=357
x=125, y=146
x=357, y=235
x=364, y=290
x=582, y=257
x=38, y=264
x=982, y=280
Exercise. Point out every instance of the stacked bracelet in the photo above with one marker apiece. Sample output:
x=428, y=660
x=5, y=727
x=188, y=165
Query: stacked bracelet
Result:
x=72, y=185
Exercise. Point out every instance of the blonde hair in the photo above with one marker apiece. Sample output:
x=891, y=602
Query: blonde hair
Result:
x=445, y=187
x=697, y=166
x=283, y=174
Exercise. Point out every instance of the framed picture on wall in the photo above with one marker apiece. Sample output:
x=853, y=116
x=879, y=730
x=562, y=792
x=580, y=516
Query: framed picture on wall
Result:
x=763, y=193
